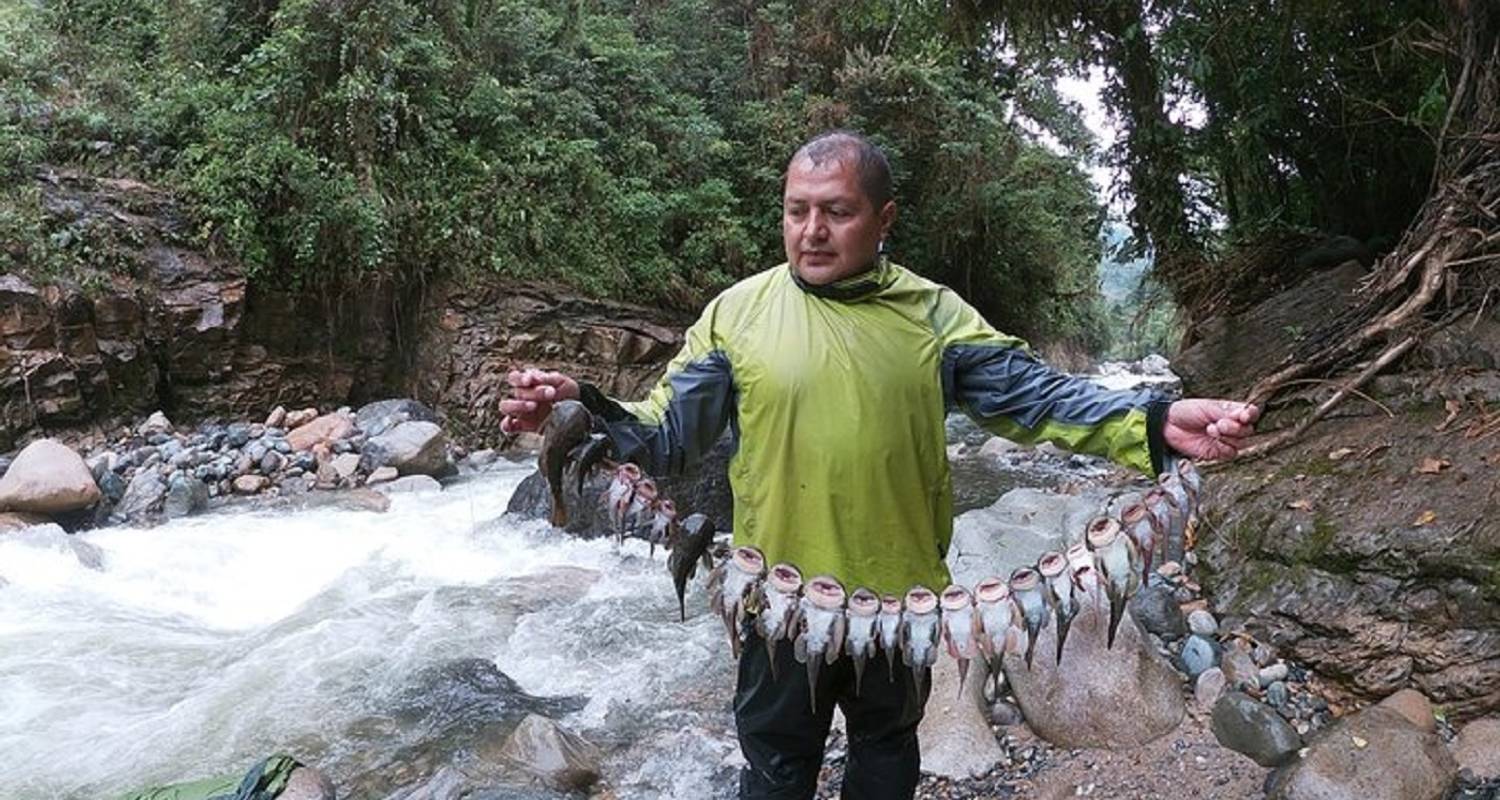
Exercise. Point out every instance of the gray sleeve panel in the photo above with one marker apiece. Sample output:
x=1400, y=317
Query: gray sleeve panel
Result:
x=703, y=401
x=989, y=381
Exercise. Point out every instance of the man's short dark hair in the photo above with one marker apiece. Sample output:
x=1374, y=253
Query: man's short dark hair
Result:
x=844, y=145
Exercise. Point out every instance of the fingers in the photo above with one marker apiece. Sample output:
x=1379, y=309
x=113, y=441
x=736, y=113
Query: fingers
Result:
x=1229, y=428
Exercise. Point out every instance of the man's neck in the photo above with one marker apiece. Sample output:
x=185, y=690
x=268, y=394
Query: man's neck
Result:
x=852, y=287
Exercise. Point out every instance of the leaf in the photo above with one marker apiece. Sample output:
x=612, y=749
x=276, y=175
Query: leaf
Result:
x=1358, y=742
x=1300, y=505
x=1427, y=518
x=1432, y=466
x=1341, y=454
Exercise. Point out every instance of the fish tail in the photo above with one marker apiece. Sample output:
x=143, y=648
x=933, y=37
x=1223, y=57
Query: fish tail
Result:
x=682, y=602
x=1116, y=612
x=771, y=658
x=1030, y=650
x=651, y=552
x=859, y=672
x=730, y=624
x=559, y=516
x=1064, y=623
x=963, y=674
x=890, y=663
x=918, y=675
x=799, y=648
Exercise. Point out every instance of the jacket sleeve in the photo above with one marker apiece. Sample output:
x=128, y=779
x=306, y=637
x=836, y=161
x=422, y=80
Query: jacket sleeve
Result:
x=681, y=419
x=997, y=381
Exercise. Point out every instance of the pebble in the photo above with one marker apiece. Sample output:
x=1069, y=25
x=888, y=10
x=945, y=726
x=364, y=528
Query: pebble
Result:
x=1272, y=674
x=1249, y=728
x=1209, y=686
x=1169, y=569
x=1199, y=655
x=1202, y=623
x=1240, y=669
x=1005, y=714
x=1277, y=695
x=1158, y=613
x=1263, y=654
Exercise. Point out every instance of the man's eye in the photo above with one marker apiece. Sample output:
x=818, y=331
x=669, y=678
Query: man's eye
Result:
x=838, y=213
x=795, y=211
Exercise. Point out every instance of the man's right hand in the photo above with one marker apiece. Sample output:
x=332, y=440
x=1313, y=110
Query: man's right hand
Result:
x=532, y=393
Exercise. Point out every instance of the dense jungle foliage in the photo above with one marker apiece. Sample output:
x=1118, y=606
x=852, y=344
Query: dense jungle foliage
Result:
x=634, y=149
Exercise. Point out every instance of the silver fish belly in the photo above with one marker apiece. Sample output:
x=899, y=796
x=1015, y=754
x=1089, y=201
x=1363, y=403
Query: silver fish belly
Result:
x=889, y=626
x=729, y=586
x=920, y=624
x=1026, y=588
x=959, y=629
x=821, y=628
x=780, y=593
x=860, y=621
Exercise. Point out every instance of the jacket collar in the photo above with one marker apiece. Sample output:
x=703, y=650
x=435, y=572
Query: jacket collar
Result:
x=852, y=288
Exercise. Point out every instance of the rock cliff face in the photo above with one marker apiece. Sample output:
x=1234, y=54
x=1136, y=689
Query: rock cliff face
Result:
x=178, y=329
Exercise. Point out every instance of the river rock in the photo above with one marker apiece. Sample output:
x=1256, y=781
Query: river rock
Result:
x=1113, y=698
x=955, y=736
x=276, y=418
x=185, y=495
x=156, y=423
x=1415, y=706
x=381, y=475
x=19, y=520
x=298, y=418
x=1373, y=754
x=1478, y=749
x=1239, y=669
x=1016, y=529
x=446, y=784
x=1250, y=728
x=142, y=498
x=1157, y=611
x=382, y=415
x=1271, y=674
x=47, y=477
x=1202, y=623
x=250, y=484
x=413, y=448
x=326, y=429
x=306, y=783
x=346, y=464
x=552, y=753
x=1198, y=655
x=409, y=484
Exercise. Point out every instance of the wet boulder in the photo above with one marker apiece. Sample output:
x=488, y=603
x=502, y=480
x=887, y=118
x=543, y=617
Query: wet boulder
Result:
x=1373, y=754
x=551, y=752
x=143, y=498
x=413, y=448
x=47, y=477
x=382, y=415
x=324, y=430
x=18, y=520
x=955, y=734
x=1254, y=730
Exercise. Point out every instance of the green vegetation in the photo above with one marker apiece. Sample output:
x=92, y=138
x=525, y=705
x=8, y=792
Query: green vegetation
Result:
x=634, y=150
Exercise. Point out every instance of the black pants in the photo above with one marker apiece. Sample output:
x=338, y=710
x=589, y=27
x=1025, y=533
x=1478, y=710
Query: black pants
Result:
x=783, y=738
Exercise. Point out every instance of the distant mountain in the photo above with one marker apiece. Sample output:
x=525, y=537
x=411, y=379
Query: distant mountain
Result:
x=1118, y=280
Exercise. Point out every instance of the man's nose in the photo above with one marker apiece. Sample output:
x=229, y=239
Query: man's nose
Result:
x=817, y=226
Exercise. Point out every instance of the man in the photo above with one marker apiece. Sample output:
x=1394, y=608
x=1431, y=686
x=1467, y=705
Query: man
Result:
x=835, y=371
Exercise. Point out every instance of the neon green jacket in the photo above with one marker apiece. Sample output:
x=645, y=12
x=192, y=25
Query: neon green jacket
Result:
x=837, y=396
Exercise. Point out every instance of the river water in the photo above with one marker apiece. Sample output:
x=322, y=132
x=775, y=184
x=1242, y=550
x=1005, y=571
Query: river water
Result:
x=359, y=642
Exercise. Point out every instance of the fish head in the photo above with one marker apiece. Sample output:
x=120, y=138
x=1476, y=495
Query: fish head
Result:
x=1052, y=564
x=1024, y=581
x=666, y=508
x=956, y=598
x=645, y=489
x=1101, y=533
x=992, y=590
x=1079, y=555
x=864, y=603
x=890, y=604
x=1086, y=578
x=748, y=560
x=628, y=473
x=785, y=578
x=921, y=600
x=825, y=592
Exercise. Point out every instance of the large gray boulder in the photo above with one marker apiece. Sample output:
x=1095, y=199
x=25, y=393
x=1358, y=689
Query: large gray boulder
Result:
x=1112, y=698
x=143, y=498
x=1016, y=529
x=47, y=477
x=1373, y=754
x=955, y=735
x=413, y=448
x=1253, y=729
x=380, y=416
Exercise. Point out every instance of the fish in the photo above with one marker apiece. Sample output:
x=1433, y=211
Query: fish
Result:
x=663, y=521
x=778, y=607
x=731, y=583
x=694, y=539
x=618, y=495
x=1140, y=524
x=997, y=618
x=1119, y=565
x=1026, y=589
x=1192, y=480
x=919, y=632
x=1053, y=567
x=587, y=456
x=639, y=514
x=861, y=619
x=567, y=427
x=889, y=624
x=960, y=626
x=1175, y=546
x=820, y=628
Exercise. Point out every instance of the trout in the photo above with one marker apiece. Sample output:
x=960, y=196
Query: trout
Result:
x=1119, y=567
x=1058, y=578
x=778, y=608
x=820, y=628
x=861, y=619
x=960, y=629
x=566, y=428
x=890, y=631
x=730, y=585
x=919, y=632
x=1026, y=588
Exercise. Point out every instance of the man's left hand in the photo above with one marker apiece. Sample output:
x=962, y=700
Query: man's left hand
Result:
x=1209, y=429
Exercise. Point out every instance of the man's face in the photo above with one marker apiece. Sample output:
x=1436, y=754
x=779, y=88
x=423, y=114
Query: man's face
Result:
x=829, y=226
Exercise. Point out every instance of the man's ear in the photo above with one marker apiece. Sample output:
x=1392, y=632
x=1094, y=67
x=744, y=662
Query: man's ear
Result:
x=887, y=218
